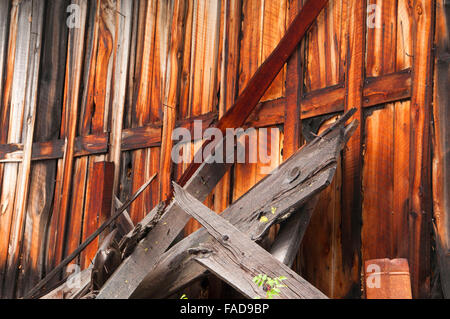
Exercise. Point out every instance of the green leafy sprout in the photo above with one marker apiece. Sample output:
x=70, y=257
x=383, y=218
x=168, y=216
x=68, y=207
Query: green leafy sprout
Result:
x=270, y=285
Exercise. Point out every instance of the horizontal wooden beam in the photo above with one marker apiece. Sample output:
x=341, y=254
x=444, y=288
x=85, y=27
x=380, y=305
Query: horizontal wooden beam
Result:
x=377, y=90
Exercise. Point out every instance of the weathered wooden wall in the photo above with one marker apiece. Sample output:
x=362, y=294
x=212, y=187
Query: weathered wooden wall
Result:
x=116, y=86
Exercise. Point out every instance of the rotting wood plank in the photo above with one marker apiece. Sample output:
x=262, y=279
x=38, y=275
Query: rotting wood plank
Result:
x=7, y=181
x=71, y=103
x=171, y=93
x=201, y=176
x=351, y=175
x=80, y=248
x=33, y=53
x=7, y=78
x=143, y=114
x=421, y=202
x=122, y=45
x=441, y=144
x=81, y=166
x=174, y=267
x=98, y=205
x=22, y=119
x=246, y=260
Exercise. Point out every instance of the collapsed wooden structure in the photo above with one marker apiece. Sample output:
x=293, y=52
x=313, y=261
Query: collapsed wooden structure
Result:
x=89, y=111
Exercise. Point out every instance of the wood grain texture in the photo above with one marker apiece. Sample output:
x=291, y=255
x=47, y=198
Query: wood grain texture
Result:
x=351, y=174
x=98, y=206
x=246, y=216
x=68, y=131
x=221, y=256
x=421, y=202
x=48, y=120
x=441, y=142
x=29, y=104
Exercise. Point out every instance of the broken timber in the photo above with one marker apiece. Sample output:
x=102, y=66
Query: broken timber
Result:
x=200, y=179
x=299, y=179
x=237, y=259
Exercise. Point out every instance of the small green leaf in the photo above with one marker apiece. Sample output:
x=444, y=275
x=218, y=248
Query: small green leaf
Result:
x=264, y=219
x=274, y=210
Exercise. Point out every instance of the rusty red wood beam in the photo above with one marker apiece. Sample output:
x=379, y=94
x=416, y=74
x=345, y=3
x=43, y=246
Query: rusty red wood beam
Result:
x=378, y=90
x=205, y=176
x=265, y=75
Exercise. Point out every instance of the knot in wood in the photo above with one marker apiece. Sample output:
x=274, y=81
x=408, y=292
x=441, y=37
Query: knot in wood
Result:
x=293, y=174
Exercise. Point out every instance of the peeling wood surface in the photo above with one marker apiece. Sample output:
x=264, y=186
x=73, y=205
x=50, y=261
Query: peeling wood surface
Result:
x=174, y=267
x=237, y=259
x=441, y=144
x=148, y=67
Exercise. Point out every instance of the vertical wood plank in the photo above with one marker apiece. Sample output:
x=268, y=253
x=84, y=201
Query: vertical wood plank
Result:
x=351, y=178
x=98, y=205
x=65, y=166
x=32, y=38
x=421, y=202
x=441, y=143
x=381, y=37
x=377, y=207
x=171, y=93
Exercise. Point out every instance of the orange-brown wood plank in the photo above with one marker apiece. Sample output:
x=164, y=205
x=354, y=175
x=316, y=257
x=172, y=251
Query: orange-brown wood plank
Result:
x=5, y=219
x=405, y=36
x=294, y=92
x=204, y=56
x=378, y=184
x=381, y=37
x=178, y=12
x=229, y=83
x=351, y=174
x=321, y=250
x=441, y=144
x=98, y=205
x=324, y=48
x=141, y=110
x=420, y=196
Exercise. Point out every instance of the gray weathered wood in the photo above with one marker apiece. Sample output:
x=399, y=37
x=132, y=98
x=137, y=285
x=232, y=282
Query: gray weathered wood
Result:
x=316, y=162
x=203, y=178
x=237, y=259
x=290, y=235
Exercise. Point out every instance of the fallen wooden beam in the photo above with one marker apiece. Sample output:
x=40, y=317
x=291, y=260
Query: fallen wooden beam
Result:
x=315, y=164
x=88, y=240
x=202, y=178
x=288, y=240
x=237, y=259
